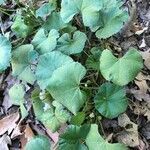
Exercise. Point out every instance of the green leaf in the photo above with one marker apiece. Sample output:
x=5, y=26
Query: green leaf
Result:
x=2, y=2
x=74, y=45
x=38, y=104
x=64, y=86
x=91, y=13
x=20, y=27
x=22, y=60
x=45, y=43
x=88, y=9
x=54, y=118
x=69, y=29
x=45, y=10
x=86, y=137
x=51, y=116
x=69, y=9
x=93, y=138
x=54, y=21
x=47, y=64
x=74, y=138
x=113, y=18
x=50, y=121
x=17, y=93
x=93, y=59
x=78, y=119
x=108, y=97
x=23, y=110
x=95, y=141
x=38, y=143
x=5, y=53
x=105, y=15
x=121, y=70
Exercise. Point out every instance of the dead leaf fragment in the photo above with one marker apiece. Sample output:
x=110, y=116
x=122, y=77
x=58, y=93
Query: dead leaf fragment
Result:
x=28, y=134
x=17, y=131
x=146, y=110
x=146, y=57
x=146, y=131
x=4, y=141
x=8, y=123
x=141, y=93
x=130, y=134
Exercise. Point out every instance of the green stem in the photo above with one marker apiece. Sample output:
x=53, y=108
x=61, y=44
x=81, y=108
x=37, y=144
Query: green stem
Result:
x=90, y=88
x=6, y=9
x=4, y=12
x=102, y=129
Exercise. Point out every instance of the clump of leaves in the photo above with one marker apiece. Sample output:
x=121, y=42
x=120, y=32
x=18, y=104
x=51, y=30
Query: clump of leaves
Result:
x=65, y=68
x=105, y=17
x=85, y=137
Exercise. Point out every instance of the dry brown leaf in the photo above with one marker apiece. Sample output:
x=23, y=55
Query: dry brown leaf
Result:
x=139, y=30
x=28, y=134
x=130, y=135
x=7, y=103
x=141, y=76
x=4, y=141
x=141, y=93
x=142, y=146
x=146, y=110
x=8, y=123
x=146, y=131
x=17, y=131
x=146, y=57
x=141, y=108
x=143, y=44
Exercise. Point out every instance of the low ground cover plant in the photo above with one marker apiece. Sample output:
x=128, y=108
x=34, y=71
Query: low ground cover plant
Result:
x=75, y=77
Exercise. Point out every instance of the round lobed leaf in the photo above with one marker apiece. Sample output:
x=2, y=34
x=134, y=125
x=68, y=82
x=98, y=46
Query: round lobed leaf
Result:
x=112, y=17
x=38, y=143
x=94, y=141
x=47, y=64
x=22, y=59
x=69, y=9
x=17, y=93
x=120, y=70
x=72, y=46
x=20, y=28
x=45, y=43
x=45, y=10
x=74, y=138
x=64, y=86
x=110, y=100
x=54, y=21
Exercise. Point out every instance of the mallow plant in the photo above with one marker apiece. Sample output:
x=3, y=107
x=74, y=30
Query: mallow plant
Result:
x=72, y=72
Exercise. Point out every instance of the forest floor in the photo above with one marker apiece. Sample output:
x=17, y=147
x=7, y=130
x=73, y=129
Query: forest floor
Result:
x=15, y=132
